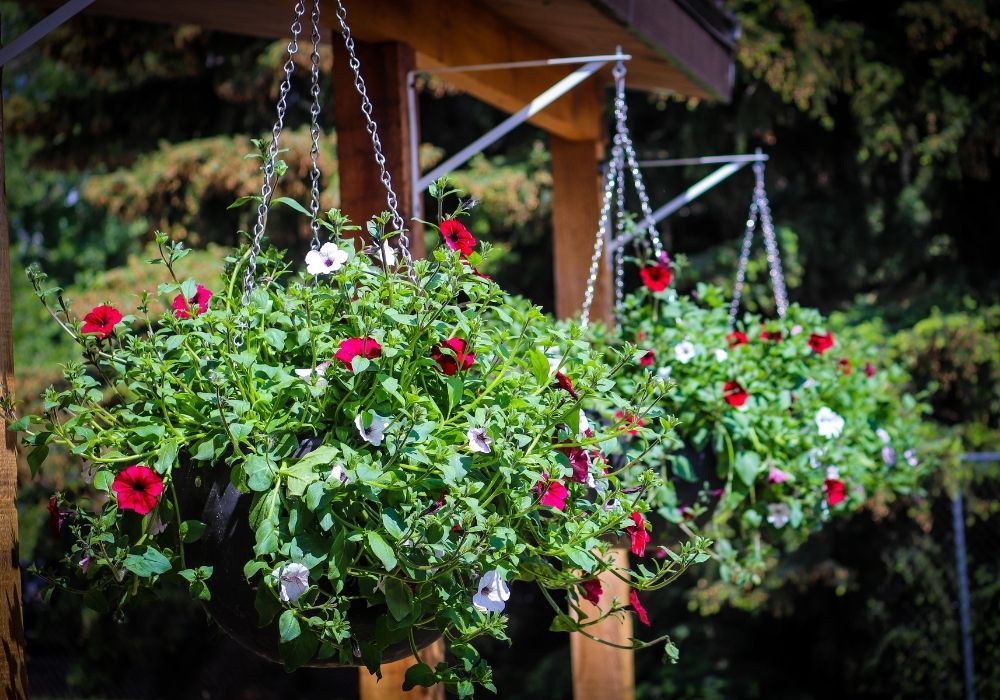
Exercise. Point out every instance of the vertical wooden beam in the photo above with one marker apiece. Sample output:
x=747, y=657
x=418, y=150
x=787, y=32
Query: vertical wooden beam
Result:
x=576, y=204
x=13, y=671
x=600, y=671
x=389, y=688
x=384, y=67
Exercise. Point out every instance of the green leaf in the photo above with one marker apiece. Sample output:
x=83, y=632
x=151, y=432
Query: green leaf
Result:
x=539, y=365
x=260, y=472
x=289, y=202
x=300, y=650
x=147, y=561
x=683, y=469
x=419, y=674
x=456, y=388
x=747, y=467
x=39, y=455
x=168, y=455
x=581, y=558
x=398, y=597
x=275, y=338
x=191, y=530
x=204, y=451
x=20, y=425
x=564, y=623
x=288, y=626
x=103, y=480
x=189, y=288
x=381, y=550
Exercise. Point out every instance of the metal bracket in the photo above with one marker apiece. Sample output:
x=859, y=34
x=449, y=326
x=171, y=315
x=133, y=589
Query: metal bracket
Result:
x=732, y=164
x=591, y=64
x=45, y=27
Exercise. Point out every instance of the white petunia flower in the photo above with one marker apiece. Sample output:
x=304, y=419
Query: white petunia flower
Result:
x=293, y=580
x=479, y=441
x=889, y=456
x=720, y=355
x=911, y=458
x=329, y=258
x=684, y=351
x=492, y=594
x=832, y=473
x=320, y=370
x=374, y=433
x=339, y=473
x=779, y=514
x=388, y=254
x=796, y=329
x=584, y=424
x=830, y=424
x=883, y=435
x=664, y=372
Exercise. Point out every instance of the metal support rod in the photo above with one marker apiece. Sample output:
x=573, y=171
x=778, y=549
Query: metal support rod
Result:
x=685, y=197
x=591, y=64
x=704, y=160
x=964, y=611
x=38, y=32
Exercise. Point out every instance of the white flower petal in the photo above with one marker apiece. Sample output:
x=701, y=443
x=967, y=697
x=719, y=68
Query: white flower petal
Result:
x=684, y=351
x=293, y=581
x=479, y=441
x=720, y=355
x=492, y=594
x=375, y=433
x=829, y=424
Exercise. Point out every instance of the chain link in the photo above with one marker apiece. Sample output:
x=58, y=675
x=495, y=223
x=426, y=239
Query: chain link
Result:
x=603, y=229
x=314, y=130
x=760, y=209
x=366, y=109
x=267, y=188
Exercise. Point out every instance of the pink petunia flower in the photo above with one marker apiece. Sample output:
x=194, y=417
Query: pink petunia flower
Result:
x=198, y=303
x=457, y=237
x=137, y=488
x=462, y=360
x=353, y=347
x=638, y=533
x=101, y=321
x=592, y=590
x=553, y=493
x=633, y=599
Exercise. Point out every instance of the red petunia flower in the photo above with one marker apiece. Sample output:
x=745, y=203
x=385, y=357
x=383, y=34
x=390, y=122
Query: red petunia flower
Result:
x=835, y=491
x=648, y=359
x=734, y=394
x=820, y=343
x=183, y=307
x=457, y=237
x=869, y=370
x=633, y=599
x=101, y=321
x=630, y=419
x=450, y=365
x=350, y=348
x=592, y=590
x=773, y=336
x=566, y=384
x=737, y=338
x=579, y=460
x=638, y=533
x=656, y=277
x=844, y=365
x=137, y=488
x=56, y=517
x=553, y=493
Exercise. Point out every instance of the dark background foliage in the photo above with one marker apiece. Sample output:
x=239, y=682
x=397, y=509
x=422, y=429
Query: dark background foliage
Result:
x=880, y=121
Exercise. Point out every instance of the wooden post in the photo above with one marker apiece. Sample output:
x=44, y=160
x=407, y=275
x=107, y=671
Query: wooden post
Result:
x=362, y=194
x=389, y=688
x=576, y=209
x=600, y=671
x=13, y=671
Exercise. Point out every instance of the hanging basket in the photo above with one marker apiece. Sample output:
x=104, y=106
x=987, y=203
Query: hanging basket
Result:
x=227, y=544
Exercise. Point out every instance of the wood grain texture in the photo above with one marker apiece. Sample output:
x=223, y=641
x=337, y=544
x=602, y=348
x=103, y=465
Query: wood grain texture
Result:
x=362, y=194
x=576, y=203
x=390, y=687
x=13, y=671
x=601, y=672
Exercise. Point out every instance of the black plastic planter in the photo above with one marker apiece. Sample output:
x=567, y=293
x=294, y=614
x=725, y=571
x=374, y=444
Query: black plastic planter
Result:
x=227, y=544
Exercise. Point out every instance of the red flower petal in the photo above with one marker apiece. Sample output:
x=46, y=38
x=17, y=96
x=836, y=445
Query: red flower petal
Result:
x=820, y=343
x=182, y=307
x=737, y=338
x=656, y=277
x=451, y=364
x=457, y=237
x=648, y=359
x=633, y=599
x=101, y=321
x=353, y=347
x=734, y=394
x=836, y=491
x=592, y=590
x=137, y=488
x=553, y=493
x=640, y=537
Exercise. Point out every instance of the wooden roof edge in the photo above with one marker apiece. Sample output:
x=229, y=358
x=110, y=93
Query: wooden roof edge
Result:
x=697, y=37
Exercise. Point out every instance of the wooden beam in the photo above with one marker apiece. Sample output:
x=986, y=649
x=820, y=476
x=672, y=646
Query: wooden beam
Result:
x=576, y=202
x=600, y=671
x=461, y=33
x=13, y=671
x=362, y=194
x=390, y=687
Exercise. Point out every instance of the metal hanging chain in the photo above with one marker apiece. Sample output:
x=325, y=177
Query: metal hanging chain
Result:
x=760, y=209
x=603, y=229
x=741, y=268
x=314, y=130
x=366, y=109
x=770, y=242
x=272, y=154
x=619, y=231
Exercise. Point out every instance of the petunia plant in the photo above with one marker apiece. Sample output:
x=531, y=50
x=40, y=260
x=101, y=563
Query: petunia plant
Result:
x=782, y=424
x=359, y=455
